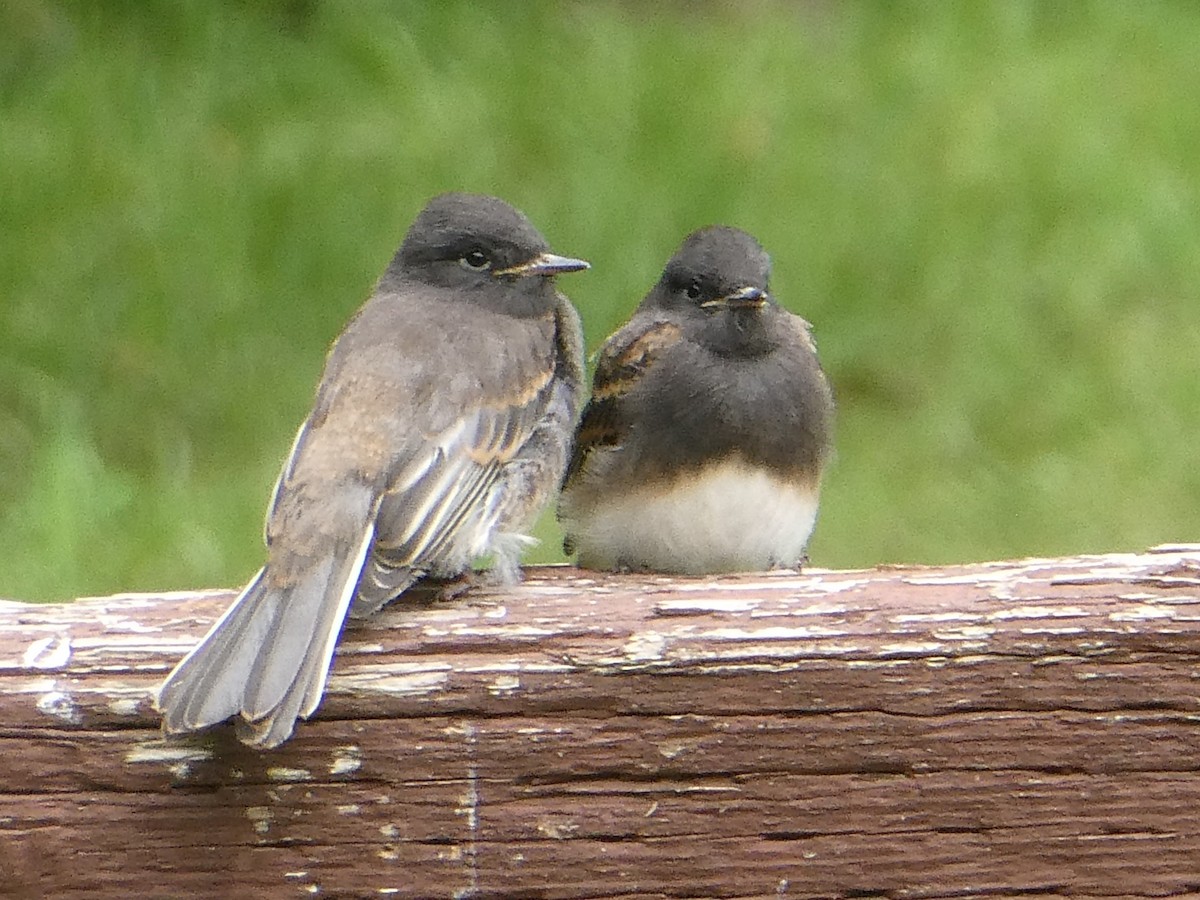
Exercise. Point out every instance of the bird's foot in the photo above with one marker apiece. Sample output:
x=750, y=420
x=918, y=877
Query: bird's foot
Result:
x=431, y=589
x=796, y=564
x=452, y=590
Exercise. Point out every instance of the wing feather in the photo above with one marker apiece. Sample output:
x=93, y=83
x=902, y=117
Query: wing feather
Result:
x=437, y=514
x=623, y=360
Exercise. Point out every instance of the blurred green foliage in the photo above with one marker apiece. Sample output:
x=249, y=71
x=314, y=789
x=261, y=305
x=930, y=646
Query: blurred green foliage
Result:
x=988, y=210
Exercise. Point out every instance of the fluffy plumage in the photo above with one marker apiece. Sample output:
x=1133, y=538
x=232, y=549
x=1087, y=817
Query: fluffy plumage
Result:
x=440, y=428
x=702, y=447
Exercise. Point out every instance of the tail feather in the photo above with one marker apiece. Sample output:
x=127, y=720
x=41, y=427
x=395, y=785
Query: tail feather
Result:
x=206, y=687
x=267, y=658
x=279, y=660
x=277, y=725
x=325, y=642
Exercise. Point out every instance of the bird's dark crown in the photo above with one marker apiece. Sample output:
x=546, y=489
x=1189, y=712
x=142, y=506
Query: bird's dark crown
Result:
x=454, y=227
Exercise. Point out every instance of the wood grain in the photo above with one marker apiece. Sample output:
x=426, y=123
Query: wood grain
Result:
x=1024, y=728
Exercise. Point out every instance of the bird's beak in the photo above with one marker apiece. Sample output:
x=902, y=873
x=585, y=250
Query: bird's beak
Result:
x=545, y=264
x=743, y=298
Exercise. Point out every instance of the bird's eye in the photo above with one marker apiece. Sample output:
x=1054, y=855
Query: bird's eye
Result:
x=475, y=259
x=693, y=290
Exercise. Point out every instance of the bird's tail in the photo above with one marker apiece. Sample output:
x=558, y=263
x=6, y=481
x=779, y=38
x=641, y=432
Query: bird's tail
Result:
x=268, y=657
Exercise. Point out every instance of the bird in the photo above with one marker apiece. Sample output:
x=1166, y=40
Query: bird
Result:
x=709, y=426
x=441, y=426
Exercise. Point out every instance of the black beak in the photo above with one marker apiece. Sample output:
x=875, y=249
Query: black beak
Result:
x=545, y=264
x=743, y=298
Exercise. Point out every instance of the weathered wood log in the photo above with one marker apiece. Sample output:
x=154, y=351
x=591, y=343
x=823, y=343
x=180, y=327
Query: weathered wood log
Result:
x=1027, y=727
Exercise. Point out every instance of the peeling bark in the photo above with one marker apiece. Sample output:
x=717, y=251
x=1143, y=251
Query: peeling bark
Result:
x=1027, y=727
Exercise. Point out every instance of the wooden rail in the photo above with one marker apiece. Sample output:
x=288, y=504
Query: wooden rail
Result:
x=1027, y=727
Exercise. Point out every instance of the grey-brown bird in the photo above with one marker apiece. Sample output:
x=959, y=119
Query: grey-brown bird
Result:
x=702, y=447
x=441, y=427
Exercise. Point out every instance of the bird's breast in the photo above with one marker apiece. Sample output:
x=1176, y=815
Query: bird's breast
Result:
x=695, y=408
x=727, y=517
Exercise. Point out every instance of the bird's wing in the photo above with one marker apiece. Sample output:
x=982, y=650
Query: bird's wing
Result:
x=623, y=360
x=439, y=505
x=429, y=440
x=429, y=497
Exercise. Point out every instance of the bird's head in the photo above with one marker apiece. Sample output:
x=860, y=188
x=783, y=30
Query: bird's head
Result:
x=484, y=250
x=716, y=284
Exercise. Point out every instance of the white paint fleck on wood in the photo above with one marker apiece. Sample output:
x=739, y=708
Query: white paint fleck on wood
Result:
x=51, y=652
x=286, y=774
x=347, y=759
x=260, y=818
x=60, y=705
x=503, y=685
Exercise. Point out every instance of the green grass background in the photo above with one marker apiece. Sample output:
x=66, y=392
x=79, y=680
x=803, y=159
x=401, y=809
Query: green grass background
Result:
x=988, y=210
